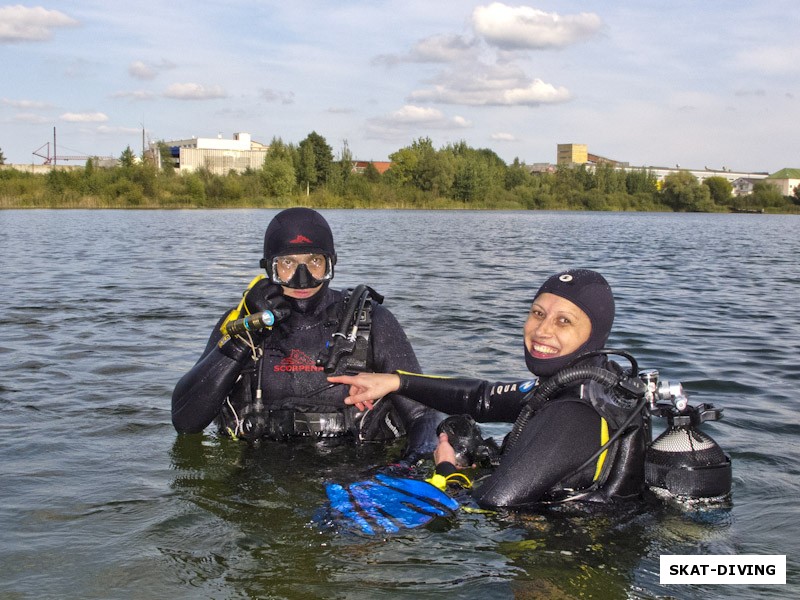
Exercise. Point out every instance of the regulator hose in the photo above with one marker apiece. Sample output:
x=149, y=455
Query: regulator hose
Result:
x=629, y=384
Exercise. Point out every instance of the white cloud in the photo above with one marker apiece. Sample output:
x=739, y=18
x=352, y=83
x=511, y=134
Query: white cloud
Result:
x=106, y=130
x=194, y=91
x=503, y=137
x=444, y=48
x=30, y=118
x=523, y=27
x=30, y=24
x=140, y=70
x=771, y=59
x=26, y=104
x=277, y=96
x=135, y=95
x=410, y=117
x=417, y=114
x=95, y=117
x=486, y=85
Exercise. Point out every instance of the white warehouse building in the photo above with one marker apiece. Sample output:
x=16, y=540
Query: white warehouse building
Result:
x=218, y=155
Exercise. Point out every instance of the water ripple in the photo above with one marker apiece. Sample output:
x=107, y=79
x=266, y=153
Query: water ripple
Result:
x=105, y=310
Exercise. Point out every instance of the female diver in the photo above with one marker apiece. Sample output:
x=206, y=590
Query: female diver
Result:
x=584, y=441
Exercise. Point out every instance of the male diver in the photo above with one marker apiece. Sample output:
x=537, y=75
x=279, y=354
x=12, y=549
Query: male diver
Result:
x=263, y=371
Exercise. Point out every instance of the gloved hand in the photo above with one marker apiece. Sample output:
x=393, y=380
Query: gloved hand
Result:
x=267, y=296
x=263, y=296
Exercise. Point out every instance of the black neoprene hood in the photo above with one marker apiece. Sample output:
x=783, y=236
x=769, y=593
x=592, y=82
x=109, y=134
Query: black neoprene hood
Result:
x=590, y=292
x=297, y=231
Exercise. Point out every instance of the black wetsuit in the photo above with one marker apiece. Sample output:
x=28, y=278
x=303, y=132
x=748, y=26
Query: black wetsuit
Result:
x=223, y=389
x=557, y=440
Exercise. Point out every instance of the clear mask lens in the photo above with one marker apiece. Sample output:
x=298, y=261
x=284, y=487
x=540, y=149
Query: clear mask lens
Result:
x=318, y=266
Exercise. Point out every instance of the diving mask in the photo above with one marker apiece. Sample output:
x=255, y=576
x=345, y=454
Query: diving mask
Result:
x=301, y=271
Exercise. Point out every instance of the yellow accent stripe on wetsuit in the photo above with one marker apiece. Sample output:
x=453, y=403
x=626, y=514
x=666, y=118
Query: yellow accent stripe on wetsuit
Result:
x=603, y=439
x=421, y=375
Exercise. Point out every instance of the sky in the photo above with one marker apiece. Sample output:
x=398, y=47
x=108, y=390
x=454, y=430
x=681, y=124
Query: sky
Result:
x=701, y=84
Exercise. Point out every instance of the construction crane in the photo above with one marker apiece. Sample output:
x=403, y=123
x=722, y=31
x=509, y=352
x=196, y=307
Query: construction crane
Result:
x=53, y=160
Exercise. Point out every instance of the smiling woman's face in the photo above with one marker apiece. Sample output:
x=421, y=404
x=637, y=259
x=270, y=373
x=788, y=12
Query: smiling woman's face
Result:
x=555, y=327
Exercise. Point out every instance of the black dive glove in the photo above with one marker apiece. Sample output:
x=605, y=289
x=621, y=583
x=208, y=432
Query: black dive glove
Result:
x=267, y=296
x=263, y=296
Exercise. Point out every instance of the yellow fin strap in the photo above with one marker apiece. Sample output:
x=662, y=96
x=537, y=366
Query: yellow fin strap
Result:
x=460, y=479
x=439, y=481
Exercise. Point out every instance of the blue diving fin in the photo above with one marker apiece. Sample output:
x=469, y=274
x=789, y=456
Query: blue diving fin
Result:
x=389, y=503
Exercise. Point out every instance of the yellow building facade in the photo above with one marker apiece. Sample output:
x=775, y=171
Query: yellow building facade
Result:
x=568, y=154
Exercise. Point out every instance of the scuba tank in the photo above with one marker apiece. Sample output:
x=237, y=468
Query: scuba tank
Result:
x=683, y=462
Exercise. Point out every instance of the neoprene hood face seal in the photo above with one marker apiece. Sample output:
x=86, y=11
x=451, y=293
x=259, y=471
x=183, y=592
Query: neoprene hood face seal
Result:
x=590, y=292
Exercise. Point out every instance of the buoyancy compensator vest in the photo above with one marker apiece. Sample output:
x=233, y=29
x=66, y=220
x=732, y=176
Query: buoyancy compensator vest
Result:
x=683, y=462
x=302, y=413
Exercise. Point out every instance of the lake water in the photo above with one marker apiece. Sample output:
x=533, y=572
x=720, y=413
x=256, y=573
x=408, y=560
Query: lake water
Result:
x=103, y=311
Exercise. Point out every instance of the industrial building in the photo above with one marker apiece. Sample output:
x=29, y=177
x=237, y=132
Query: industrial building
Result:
x=578, y=154
x=786, y=180
x=218, y=155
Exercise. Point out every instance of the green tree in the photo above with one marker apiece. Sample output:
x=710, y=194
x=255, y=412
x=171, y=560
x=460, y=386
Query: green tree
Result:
x=167, y=160
x=435, y=170
x=683, y=193
x=423, y=167
x=766, y=195
x=307, y=168
x=61, y=182
x=371, y=173
x=341, y=172
x=195, y=188
x=278, y=172
x=93, y=182
x=127, y=158
x=608, y=179
x=404, y=165
x=517, y=175
x=426, y=169
x=316, y=160
x=641, y=181
x=346, y=162
x=796, y=196
x=721, y=190
x=471, y=182
x=2, y=157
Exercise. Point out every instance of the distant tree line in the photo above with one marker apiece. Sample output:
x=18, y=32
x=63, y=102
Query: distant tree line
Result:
x=421, y=176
